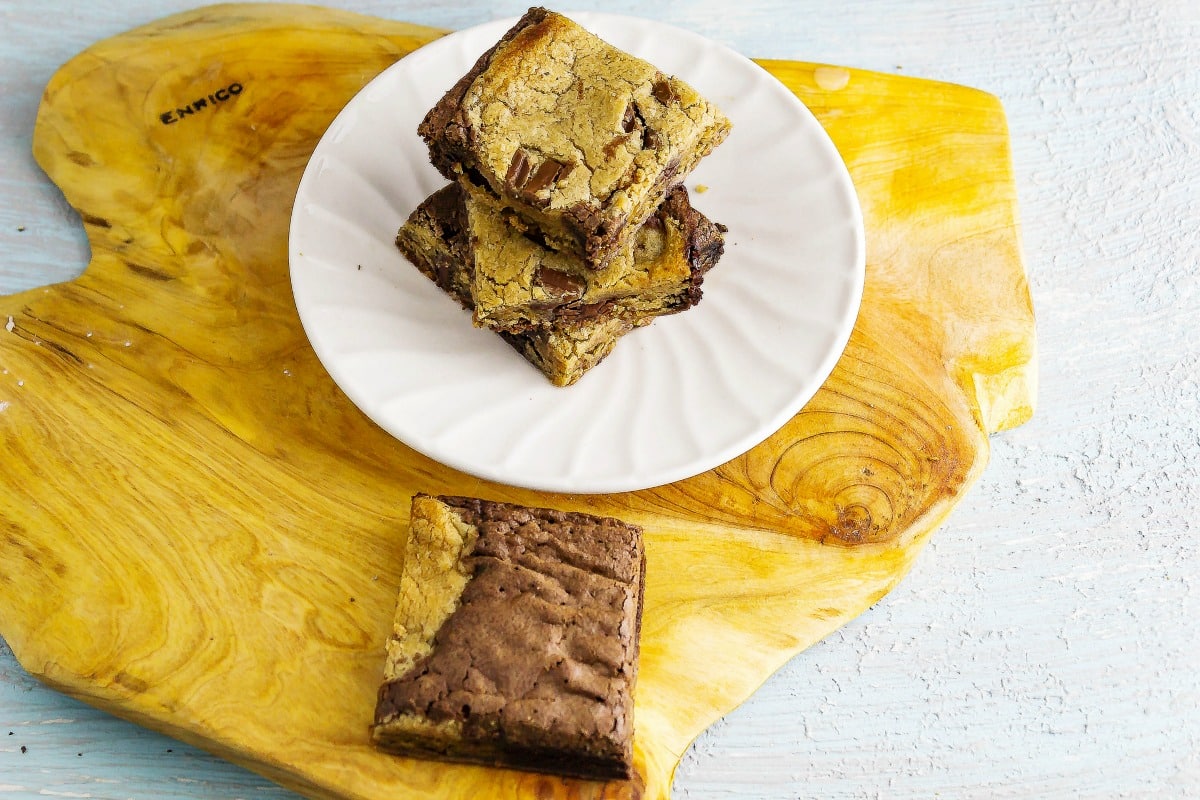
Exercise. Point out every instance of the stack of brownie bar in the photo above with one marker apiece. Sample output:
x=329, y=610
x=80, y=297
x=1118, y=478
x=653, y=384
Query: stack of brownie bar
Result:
x=566, y=225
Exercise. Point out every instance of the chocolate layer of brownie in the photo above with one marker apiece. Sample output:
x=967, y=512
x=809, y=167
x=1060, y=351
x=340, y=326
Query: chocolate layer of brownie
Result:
x=436, y=241
x=516, y=639
x=581, y=138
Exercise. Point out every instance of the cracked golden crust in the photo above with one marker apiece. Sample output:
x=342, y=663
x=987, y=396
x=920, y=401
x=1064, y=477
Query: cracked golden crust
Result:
x=517, y=283
x=434, y=239
x=577, y=135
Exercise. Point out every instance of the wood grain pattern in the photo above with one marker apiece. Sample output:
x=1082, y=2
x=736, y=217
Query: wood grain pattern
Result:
x=199, y=529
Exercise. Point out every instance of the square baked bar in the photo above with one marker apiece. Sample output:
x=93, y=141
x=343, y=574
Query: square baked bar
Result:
x=515, y=640
x=518, y=283
x=435, y=239
x=581, y=138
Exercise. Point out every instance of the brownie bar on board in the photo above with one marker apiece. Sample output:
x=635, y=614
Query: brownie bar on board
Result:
x=586, y=180
x=515, y=640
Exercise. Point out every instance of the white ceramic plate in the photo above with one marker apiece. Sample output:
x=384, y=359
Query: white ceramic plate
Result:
x=679, y=397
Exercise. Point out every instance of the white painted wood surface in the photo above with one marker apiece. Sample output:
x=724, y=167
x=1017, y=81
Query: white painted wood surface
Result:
x=1046, y=644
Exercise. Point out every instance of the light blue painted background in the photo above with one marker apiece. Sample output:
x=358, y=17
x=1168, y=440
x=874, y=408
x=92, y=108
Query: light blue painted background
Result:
x=1047, y=642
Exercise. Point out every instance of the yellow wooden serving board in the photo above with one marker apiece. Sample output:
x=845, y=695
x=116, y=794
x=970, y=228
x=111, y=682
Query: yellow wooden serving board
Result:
x=200, y=533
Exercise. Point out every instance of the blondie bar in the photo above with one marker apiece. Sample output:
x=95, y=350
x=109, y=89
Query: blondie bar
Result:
x=515, y=639
x=435, y=240
x=581, y=138
x=518, y=283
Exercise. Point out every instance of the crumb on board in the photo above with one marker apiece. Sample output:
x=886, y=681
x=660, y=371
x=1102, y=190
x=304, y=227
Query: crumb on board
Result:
x=20, y=229
x=701, y=188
